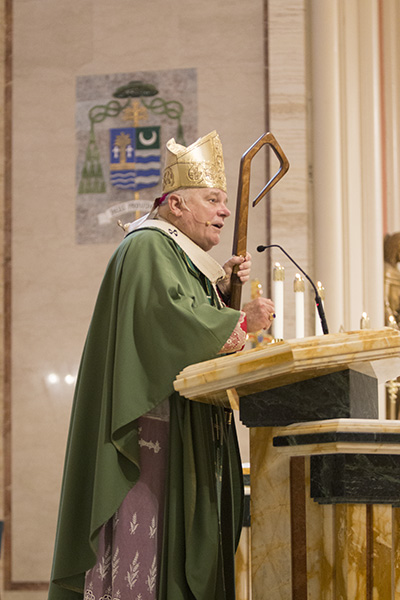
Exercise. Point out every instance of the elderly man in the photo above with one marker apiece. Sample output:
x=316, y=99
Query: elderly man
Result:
x=151, y=504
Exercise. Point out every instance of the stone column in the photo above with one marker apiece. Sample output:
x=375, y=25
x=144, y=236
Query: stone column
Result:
x=346, y=141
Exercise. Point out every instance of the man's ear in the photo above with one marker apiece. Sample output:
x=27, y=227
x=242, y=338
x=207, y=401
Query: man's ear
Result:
x=175, y=204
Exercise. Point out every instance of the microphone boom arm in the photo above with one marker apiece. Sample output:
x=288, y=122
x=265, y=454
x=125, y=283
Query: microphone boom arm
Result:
x=318, y=299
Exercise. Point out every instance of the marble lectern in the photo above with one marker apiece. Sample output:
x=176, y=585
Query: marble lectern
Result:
x=325, y=470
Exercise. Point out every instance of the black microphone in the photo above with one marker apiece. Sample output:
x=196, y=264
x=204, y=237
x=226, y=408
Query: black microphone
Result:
x=318, y=300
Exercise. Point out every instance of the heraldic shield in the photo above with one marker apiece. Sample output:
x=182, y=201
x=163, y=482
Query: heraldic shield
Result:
x=135, y=157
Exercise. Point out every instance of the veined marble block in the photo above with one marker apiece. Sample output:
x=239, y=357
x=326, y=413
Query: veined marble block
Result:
x=346, y=393
x=355, y=478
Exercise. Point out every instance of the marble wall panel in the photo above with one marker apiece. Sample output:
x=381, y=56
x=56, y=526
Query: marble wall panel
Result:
x=291, y=209
x=55, y=280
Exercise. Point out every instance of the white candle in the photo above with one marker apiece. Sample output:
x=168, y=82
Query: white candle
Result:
x=298, y=287
x=318, y=326
x=364, y=321
x=279, y=278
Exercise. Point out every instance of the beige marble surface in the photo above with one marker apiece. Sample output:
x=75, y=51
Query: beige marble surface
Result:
x=396, y=551
x=340, y=540
x=346, y=425
x=243, y=566
x=281, y=363
x=350, y=551
x=341, y=425
x=270, y=514
x=382, y=539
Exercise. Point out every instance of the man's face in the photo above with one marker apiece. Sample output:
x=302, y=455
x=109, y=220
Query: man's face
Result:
x=203, y=215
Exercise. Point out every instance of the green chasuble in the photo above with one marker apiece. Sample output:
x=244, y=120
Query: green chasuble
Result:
x=155, y=314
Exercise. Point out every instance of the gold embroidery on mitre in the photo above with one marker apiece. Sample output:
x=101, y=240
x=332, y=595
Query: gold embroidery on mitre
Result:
x=199, y=165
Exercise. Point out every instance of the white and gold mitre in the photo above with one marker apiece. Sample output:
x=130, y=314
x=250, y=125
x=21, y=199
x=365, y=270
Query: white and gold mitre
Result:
x=199, y=165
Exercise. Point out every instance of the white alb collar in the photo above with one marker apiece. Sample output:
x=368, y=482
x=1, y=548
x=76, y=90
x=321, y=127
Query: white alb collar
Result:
x=203, y=261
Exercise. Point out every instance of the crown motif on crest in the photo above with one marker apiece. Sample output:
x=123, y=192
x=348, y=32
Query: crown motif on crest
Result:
x=199, y=165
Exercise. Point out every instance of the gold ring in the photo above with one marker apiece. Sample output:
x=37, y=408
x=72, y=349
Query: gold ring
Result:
x=272, y=316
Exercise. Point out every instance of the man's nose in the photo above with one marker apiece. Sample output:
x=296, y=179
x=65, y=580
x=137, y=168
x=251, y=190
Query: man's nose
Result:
x=225, y=211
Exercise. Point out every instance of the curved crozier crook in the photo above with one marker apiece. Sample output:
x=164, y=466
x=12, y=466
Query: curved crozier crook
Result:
x=242, y=202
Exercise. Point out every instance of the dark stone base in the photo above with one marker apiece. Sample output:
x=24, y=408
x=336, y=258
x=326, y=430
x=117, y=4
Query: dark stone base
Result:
x=344, y=394
x=355, y=478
